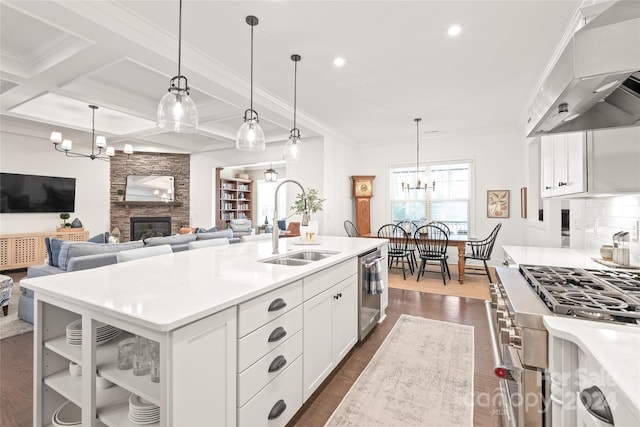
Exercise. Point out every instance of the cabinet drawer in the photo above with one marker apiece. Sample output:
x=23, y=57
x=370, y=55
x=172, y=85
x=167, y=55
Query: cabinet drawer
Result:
x=255, y=345
x=284, y=390
x=260, y=310
x=323, y=280
x=257, y=375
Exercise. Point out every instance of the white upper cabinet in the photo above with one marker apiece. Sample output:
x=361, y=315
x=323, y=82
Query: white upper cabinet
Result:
x=582, y=164
x=563, y=164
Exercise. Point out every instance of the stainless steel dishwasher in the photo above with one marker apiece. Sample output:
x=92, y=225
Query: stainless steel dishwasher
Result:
x=368, y=304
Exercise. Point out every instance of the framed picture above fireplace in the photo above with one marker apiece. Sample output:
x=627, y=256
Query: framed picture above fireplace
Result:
x=150, y=188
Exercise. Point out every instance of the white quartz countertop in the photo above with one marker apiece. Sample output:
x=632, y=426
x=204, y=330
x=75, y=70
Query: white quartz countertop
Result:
x=166, y=292
x=555, y=257
x=615, y=347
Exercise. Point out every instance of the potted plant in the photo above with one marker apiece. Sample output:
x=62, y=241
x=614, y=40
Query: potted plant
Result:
x=120, y=194
x=314, y=205
x=64, y=216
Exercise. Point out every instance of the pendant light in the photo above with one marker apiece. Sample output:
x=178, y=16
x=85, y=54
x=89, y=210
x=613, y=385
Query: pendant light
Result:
x=293, y=148
x=250, y=135
x=177, y=112
x=406, y=186
x=271, y=175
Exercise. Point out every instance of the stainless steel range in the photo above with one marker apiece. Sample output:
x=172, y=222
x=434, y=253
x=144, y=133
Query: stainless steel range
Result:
x=520, y=340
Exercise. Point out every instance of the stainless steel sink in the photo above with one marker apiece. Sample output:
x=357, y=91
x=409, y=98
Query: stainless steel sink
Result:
x=299, y=258
x=311, y=256
x=286, y=261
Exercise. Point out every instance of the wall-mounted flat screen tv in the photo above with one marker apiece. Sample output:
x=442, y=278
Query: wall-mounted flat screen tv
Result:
x=34, y=193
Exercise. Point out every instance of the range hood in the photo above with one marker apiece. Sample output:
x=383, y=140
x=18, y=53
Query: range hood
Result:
x=595, y=84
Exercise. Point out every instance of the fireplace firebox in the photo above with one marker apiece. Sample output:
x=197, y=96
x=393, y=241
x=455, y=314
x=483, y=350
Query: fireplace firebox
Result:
x=144, y=227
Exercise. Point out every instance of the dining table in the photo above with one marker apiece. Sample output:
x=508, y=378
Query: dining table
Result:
x=458, y=240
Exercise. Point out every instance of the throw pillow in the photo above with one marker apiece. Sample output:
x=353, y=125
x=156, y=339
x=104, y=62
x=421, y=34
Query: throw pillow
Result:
x=47, y=243
x=56, y=246
x=212, y=229
x=98, y=238
x=75, y=249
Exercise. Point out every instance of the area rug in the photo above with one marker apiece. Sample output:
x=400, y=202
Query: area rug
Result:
x=422, y=375
x=10, y=325
x=474, y=286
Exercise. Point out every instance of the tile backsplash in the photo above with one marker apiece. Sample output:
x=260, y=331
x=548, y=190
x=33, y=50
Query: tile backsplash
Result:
x=606, y=216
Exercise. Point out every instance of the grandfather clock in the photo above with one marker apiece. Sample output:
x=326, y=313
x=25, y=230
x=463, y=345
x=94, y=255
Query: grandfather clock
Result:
x=362, y=192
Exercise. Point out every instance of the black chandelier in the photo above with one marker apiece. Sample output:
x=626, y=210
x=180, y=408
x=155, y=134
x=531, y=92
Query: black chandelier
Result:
x=419, y=186
x=98, y=143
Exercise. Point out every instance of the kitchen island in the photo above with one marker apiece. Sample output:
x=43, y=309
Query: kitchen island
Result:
x=222, y=318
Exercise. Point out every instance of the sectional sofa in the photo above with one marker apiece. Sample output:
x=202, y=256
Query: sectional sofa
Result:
x=67, y=256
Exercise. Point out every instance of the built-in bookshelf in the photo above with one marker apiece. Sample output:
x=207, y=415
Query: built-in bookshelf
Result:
x=234, y=196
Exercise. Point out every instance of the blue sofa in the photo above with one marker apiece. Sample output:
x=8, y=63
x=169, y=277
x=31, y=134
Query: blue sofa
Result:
x=67, y=256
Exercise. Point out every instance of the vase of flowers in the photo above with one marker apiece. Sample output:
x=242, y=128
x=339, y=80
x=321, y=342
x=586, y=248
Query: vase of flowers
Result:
x=309, y=232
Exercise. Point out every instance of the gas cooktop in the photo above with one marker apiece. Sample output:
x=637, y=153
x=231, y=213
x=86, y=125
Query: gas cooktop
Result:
x=592, y=294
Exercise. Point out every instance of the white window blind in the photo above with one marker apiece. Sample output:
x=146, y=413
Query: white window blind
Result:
x=449, y=202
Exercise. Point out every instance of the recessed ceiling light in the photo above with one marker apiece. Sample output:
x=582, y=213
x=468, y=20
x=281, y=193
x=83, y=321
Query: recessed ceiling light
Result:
x=454, y=30
x=339, y=61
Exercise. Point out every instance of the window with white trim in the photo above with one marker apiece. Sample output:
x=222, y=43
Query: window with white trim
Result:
x=264, y=205
x=448, y=202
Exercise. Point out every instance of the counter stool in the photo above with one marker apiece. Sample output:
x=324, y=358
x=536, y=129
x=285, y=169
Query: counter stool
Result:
x=6, y=283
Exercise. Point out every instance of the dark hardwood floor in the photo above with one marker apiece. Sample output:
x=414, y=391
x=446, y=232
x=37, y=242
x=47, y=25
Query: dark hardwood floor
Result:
x=467, y=311
x=16, y=362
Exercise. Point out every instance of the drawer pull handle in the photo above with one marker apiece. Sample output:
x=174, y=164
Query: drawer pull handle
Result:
x=277, y=304
x=277, y=409
x=277, y=363
x=277, y=334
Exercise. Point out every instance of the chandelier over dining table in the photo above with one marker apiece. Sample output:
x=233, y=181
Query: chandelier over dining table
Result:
x=419, y=185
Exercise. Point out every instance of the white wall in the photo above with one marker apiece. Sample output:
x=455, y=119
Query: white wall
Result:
x=22, y=153
x=499, y=164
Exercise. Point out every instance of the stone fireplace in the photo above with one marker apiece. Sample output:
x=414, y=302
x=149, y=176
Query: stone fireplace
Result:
x=144, y=227
x=140, y=163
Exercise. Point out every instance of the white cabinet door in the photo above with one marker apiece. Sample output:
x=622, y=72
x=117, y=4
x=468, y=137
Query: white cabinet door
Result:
x=560, y=161
x=330, y=331
x=317, y=348
x=345, y=317
x=384, y=298
x=203, y=379
x=574, y=179
x=546, y=166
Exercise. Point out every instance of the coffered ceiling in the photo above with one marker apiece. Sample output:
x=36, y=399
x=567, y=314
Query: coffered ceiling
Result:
x=59, y=56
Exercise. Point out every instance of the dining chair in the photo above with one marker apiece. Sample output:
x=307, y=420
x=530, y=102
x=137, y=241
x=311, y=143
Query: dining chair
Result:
x=432, y=242
x=351, y=229
x=410, y=228
x=397, y=247
x=442, y=225
x=481, y=250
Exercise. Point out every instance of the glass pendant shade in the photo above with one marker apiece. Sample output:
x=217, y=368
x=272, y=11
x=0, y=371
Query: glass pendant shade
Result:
x=177, y=112
x=293, y=148
x=250, y=136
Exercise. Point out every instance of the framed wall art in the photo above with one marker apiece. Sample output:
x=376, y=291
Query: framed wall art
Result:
x=498, y=204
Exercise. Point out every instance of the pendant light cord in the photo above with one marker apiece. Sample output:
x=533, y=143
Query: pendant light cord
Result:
x=179, y=37
x=252, y=69
x=417, y=149
x=93, y=130
x=295, y=91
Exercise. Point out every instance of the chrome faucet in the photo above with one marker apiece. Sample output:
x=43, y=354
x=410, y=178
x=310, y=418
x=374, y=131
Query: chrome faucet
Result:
x=305, y=215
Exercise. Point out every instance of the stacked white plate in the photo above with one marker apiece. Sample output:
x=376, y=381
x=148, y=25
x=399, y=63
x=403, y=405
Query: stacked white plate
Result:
x=142, y=412
x=67, y=414
x=104, y=332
